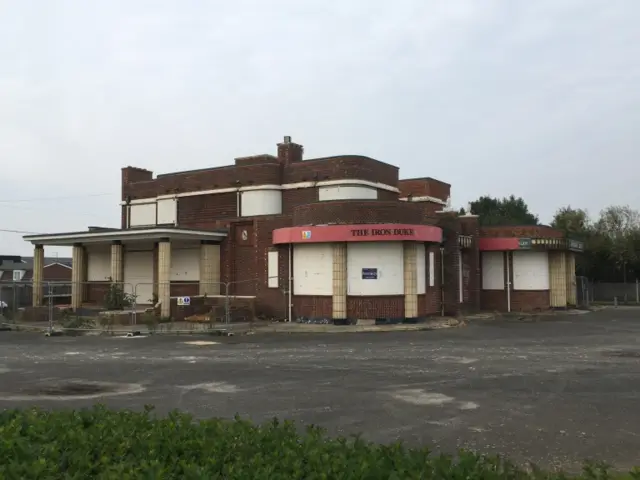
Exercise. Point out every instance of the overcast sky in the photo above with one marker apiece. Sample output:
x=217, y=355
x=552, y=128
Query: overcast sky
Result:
x=536, y=98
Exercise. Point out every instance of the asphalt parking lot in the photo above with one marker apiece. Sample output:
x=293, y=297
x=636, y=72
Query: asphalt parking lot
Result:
x=554, y=392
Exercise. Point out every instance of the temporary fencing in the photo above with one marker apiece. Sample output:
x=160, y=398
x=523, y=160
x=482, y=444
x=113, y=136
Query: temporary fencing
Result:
x=113, y=306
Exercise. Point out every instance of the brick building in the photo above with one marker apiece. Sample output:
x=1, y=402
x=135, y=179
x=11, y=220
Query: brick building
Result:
x=340, y=238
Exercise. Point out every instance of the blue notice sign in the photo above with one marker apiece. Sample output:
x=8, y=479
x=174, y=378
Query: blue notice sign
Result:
x=369, y=273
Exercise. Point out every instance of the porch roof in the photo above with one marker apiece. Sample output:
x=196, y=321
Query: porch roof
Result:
x=104, y=235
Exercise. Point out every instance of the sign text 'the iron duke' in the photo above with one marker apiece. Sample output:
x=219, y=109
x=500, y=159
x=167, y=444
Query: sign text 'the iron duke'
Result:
x=383, y=232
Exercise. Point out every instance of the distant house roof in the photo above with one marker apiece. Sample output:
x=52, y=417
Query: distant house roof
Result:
x=27, y=263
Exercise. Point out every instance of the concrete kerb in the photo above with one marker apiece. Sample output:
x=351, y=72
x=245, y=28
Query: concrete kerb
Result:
x=132, y=330
x=230, y=330
x=292, y=328
x=546, y=315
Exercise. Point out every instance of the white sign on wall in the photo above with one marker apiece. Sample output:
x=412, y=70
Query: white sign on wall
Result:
x=184, y=301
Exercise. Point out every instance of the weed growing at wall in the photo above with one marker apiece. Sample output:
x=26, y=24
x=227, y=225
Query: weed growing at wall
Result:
x=104, y=444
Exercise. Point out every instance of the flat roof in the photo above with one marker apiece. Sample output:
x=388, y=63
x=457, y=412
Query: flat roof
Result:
x=130, y=234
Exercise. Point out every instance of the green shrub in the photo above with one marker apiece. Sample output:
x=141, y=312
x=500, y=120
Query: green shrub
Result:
x=116, y=298
x=103, y=444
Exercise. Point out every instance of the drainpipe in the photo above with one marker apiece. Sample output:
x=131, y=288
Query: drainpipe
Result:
x=442, y=281
x=127, y=212
x=238, y=198
x=508, y=284
x=290, y=281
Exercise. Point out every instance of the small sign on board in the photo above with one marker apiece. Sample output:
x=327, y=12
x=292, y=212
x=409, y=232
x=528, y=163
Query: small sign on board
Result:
x=184, y=301
x=369, y=273
x=524, y=243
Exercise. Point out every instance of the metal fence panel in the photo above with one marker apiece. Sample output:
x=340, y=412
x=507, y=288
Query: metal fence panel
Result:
x=582, y=292
x=622, y=293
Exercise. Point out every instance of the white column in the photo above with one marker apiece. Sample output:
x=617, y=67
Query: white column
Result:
x=339, y=307
x=117, y=264
x=38, y=273
x=410, y=280
x=77, y=276
x=164, y=279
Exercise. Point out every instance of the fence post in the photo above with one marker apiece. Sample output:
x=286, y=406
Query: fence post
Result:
x=227, y=307
x=50, y=295
x=637, y=291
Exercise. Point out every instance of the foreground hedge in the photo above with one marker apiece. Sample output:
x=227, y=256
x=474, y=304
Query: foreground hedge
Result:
x=104, y=444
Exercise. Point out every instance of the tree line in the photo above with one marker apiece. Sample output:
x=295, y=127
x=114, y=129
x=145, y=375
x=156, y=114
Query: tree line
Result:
x=612, y=240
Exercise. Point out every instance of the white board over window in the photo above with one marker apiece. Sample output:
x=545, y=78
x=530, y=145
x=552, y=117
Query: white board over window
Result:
x=167, y=211
x=347, y=192
x=375, y=269
x=98, y=265
x=272, y=269
x=313, y=269
x=142, y=215
x=493, y=270
x=530, y=270
x=185, y=264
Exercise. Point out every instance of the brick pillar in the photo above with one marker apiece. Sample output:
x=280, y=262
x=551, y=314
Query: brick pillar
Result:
x=38, y=273
x=450, y=224
x=410, y=280
x=117, y=262
x=557, y=279
x=164, y=279
x=77, y=276
x=339, y=311
x=570, y=271
x=209, y=268
x=471, y=226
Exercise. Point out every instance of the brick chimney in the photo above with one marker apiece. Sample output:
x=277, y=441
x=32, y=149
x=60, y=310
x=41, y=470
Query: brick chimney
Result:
x=133, y=175
x=289, y=152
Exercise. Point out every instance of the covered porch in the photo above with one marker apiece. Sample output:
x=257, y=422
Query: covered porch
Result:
x=147, y=263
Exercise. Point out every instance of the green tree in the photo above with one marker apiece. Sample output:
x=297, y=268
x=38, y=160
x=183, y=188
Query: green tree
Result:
x=574, y=222
x=618, y=233
x=503, y=211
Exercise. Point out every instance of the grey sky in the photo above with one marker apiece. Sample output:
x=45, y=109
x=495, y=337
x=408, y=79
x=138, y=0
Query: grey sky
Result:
x=537, y=98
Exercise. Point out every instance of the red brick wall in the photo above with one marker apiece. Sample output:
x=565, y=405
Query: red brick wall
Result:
x=312, y=307
x=360, y=211
x=206, y=211
x=184, y=289
x=297, y=196
x=340, y=168
x=530, y=300
x=139, y=183
x=494, y=300
x=56, y=272
x=471, y=257
x=368, y=308
x=424, y=187
x=521, y=300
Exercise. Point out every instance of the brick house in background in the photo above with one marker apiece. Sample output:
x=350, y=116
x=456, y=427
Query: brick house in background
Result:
x=339, y=238
x=16, y=275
